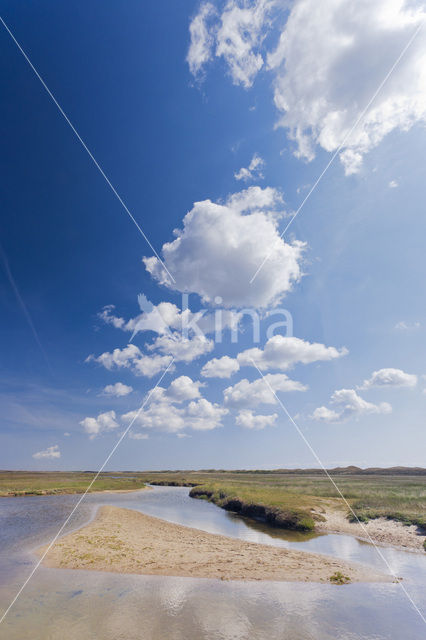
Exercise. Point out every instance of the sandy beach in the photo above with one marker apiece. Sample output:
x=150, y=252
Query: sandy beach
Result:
x=380, y=530
x=126, y=541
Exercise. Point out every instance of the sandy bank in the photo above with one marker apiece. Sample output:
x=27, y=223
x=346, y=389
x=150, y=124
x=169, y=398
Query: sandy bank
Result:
x=126, y=541
x=380, y=530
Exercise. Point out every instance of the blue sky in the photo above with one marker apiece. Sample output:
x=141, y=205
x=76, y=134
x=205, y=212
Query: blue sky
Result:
x=169, y=134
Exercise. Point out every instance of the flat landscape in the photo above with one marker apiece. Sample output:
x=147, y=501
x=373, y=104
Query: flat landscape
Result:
x=27, y=483
x=397, y=495
x=389, y=504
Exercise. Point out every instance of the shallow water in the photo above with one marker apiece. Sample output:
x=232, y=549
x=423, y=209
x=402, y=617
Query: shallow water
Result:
x=65, y=604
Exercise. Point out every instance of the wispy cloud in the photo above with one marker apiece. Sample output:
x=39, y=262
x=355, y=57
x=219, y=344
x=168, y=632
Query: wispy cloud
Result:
x=48, y=454
x=407, y=326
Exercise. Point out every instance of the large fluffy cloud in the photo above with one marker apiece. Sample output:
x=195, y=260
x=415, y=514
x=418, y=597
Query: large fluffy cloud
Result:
x=390, y=378
x=348, y=405
x=327, y=68
x=221, y=246
x=177, y=408
x=282, y=353
x=245, y=394
x=330, y=59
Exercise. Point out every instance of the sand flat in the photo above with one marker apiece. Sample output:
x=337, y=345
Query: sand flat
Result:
x=126, y=541
x=379, y=530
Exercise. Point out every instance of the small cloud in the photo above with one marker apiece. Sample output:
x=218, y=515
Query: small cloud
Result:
x=390, y=378
x=249, y=420
x=222, y=367
x=67, y=434
x=138, y=436
x=348, y=405
x=104, y=422
x=324, y=414
x=117, y=390
x=48, y=454
x=183, y=435
x=393, y=184
x=254, y=170
x=407, y=326
x=303, y=187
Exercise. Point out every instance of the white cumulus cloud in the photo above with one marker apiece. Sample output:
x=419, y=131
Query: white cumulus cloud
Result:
x=132, y=358
x=182, y=349
x=220, y=367
x=390, y=378
x=183, y=388
x=249, y=420
x=117, y=390
x=48, y=454
x=282, y=353
x=331, y=58
x=221, y=246
x=245, y=394
x=203, y=415
x=323, y=84
x=167, y=320
x=176, y=408
x=103, y=423
x=348, y=405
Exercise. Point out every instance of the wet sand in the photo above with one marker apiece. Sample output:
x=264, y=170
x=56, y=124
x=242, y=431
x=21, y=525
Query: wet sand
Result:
x=380, y=530
x=126, y=541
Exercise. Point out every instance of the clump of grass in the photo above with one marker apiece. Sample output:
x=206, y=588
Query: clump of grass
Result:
x=339, y=578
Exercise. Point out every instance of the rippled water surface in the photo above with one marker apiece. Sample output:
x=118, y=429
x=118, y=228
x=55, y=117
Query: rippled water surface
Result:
x=78, y=605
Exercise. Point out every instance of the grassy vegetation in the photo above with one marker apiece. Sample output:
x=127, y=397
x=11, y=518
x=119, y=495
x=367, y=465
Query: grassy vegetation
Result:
x=25, y=483
x=276, y=507
x=290, y=499
x=339, y=578
x=398, y=497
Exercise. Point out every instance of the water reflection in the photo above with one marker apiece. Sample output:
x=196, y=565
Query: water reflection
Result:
x=69, y=605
